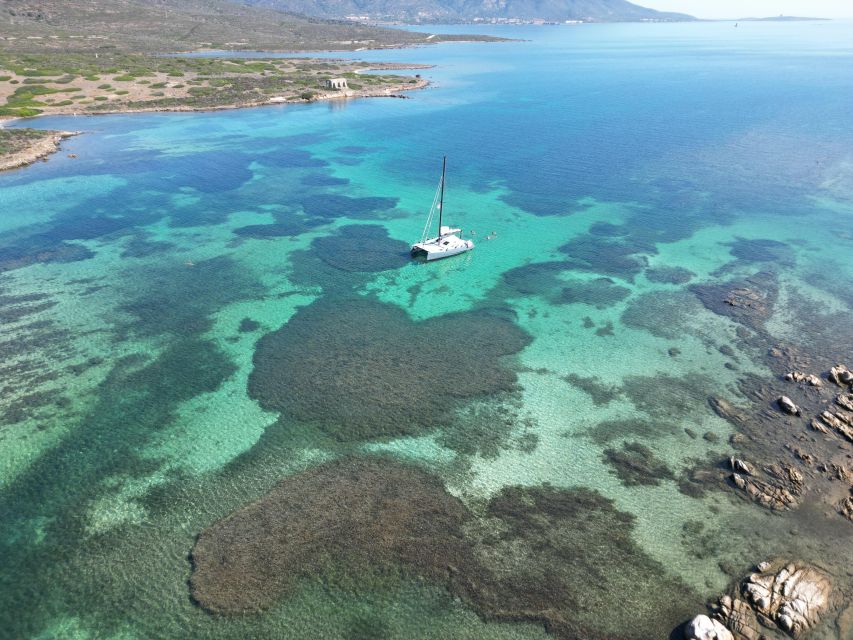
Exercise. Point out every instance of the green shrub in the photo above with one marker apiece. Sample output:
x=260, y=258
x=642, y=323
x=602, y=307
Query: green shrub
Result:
x=124, y=78
x=5, y=78
x=307, y=95
x=92, y=78
x=105, y=86
x=158, y=94
x=64, y=103
x=101, y=98
x=122, y=93
x=23, y=112
x=159, y=85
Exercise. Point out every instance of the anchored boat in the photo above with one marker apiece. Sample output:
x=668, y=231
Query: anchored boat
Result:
x=448, y=243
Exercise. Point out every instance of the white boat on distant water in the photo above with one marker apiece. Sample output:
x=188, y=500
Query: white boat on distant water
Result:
x=448, y=243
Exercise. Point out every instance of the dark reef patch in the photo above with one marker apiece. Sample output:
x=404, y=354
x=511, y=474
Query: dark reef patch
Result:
x=291, y=227
x=247, y=325
x=566, y=558
x=351, y=515
x=669, y=275
x=605, y=330
x=544, y=279
x=487, y=428
x=749, y=302
x=40, y=248
x=141, y=247
x=635, y=464
x=537, y=279
x=563, y=558
x=664, y=314
x=361, y=248
x=320, y=180
x=600, y=393
x=760, y=250
x=663, y=396
x=600, y=292
x=360, y=369
x=179, y=298
x=617, y=258
x=331, y=207
x=610, y=430
x=353, y=150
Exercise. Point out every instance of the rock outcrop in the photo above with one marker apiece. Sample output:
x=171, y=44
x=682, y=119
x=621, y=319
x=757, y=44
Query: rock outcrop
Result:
x=837, y=417
x=794, y=598
x=787, y=405
x=841, y=375
x=704, y=628
x=739, y=466
x=808, y=378
x=845, y=508
x=791, y=597
x=766, y=494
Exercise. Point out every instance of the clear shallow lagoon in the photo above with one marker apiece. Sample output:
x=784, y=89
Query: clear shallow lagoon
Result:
x=631, y=160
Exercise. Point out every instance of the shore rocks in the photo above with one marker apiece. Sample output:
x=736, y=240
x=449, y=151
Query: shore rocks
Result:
x=841, y=375
x=837, y=417
x=845, y=508
x=704, y=628
x=787, y=405
x=739, y=466
x=799, y=376
x=795, y=598
x=792, y=597
x=779, y=492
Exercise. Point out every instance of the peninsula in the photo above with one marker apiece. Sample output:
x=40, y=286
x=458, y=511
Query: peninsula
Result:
x=95, y=57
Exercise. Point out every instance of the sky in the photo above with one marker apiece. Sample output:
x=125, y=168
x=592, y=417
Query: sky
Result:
x=754, y=8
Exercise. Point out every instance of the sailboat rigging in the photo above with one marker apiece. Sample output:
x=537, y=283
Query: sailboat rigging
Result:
x=447, y=243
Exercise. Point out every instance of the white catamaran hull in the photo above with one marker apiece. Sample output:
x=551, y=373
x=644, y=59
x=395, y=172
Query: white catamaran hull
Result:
x=441, y=248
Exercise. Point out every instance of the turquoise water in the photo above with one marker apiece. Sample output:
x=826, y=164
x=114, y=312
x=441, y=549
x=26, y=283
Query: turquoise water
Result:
x=627, y=161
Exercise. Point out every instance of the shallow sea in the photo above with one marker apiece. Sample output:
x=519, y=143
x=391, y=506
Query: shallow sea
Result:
x=631, y=161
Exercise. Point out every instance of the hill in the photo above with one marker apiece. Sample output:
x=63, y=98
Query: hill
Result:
x=178, y=25
x=435, y=11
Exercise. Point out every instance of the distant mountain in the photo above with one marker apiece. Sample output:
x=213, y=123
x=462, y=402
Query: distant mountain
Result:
x=172, y=25
x=436, y=11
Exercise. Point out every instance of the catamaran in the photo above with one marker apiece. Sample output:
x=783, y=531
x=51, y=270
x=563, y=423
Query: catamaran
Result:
x=447, y=243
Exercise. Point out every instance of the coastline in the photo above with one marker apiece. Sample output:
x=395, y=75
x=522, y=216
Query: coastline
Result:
x=39, y=149
x=43, y=147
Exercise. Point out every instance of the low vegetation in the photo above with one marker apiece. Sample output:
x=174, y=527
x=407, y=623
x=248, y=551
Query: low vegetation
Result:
x=32, y=84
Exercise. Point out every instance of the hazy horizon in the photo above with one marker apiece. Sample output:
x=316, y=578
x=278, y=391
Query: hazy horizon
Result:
x=717, y=9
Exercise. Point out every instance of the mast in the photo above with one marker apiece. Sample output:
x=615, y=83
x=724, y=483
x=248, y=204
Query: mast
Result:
x=441, y=201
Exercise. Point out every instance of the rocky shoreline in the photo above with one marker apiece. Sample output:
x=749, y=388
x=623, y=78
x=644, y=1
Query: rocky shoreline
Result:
x=38, y=148
x=794, y=444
